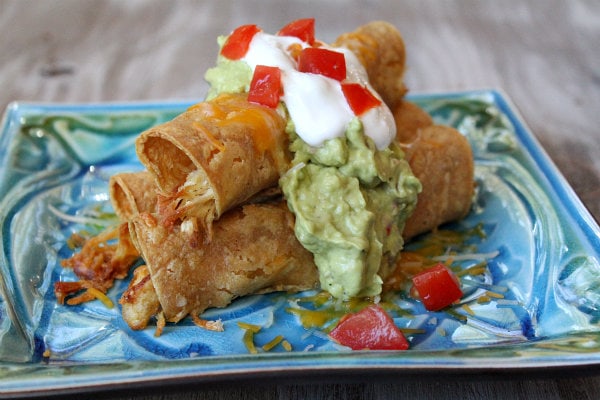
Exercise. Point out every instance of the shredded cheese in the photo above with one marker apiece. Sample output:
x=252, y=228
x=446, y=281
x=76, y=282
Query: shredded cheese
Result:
x=274, y=342
x=413, y=331
x=103, y=220
x=286, y=345
x=468, y=256
x=494, y=295
x=249, y=341
x=213, y=140
x=101, y=296
x=249, y=327
x=468, y=309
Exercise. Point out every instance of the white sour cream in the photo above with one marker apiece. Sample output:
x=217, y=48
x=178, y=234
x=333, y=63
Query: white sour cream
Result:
x=316, y=103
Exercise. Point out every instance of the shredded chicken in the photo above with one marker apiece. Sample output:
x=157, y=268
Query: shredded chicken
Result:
x=193, y=200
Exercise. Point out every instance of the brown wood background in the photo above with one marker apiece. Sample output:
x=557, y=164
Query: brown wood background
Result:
x=545, y=55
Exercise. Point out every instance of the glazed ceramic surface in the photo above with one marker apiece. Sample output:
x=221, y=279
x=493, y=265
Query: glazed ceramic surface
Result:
x=528, y=260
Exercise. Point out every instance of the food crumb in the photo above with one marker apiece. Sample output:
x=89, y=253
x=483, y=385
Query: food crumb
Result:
x=286, y=345
x=494, y=295
x=274, y=342
x=468, y=309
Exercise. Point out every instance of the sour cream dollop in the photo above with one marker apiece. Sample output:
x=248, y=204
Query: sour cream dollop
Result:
x=316, y=103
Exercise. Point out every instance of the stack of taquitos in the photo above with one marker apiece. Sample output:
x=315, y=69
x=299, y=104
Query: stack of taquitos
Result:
x=252, y=250
x=203, y=247
x=244, y=253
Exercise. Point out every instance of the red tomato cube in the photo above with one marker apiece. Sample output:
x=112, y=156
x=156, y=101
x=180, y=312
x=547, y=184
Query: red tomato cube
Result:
x=359, y=98
x=316, y=60
x=303, y=29
x=437, y=287
x=237, y=44
x=265, y=87
x=371, y=328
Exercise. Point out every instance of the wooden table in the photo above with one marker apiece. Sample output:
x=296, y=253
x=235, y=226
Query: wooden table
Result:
x=545, y=55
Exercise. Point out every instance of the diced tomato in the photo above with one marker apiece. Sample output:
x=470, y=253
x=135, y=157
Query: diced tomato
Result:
x=317, y=60
x=437, y=287
x=371, y=328
x=359, y=98
x=303, y=29
x=237, y=44
x=265, y=87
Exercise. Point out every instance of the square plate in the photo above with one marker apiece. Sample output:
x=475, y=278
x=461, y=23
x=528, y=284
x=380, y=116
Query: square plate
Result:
x=534, y=305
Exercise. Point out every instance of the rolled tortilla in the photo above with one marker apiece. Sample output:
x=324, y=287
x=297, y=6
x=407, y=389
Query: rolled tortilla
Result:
x=380, y=49
x=442, y=159
x=253, y=250
x=215, y=156
x=132, y=193
x=409, y=118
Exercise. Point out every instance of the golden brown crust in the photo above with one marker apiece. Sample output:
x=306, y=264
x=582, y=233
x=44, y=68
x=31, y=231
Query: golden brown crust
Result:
x=380, y=48
x=409, y=118
x=231, y=148
x=139, y=302
x=441, y=158
x=253, y=250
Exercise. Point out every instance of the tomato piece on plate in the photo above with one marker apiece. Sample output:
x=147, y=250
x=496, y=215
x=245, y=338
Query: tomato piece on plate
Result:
x=437, y=287
x=265, y=87
x=371, y=328
x=303, y=29
x=329, y=63
x=237, y=44
x=359, y=98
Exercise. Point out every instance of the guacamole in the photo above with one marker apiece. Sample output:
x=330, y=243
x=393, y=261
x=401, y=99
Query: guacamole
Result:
x=228, y=76
x=350, y=199
x=351, y=202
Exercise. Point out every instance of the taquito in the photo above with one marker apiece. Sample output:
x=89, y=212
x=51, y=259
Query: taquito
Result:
x=442, y=159
x=132, y=193
x=214, y=156
x=409, y=119
x=253, y=250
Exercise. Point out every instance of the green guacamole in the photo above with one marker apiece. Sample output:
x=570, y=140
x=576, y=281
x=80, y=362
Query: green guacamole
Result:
x=349, y=199
x=351, y=202
x=227, y=76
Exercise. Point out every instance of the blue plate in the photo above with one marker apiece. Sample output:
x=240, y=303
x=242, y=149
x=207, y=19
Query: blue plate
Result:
x=530, y=273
